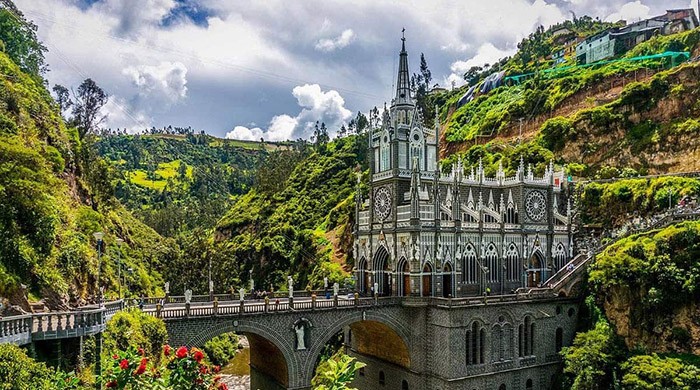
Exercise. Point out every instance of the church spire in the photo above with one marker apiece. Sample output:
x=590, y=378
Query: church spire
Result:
x=403, y=86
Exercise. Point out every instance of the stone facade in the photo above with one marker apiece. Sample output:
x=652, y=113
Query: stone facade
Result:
x=423, y=232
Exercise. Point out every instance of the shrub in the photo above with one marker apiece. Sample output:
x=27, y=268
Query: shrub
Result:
x=19, y=372
x=222, y=348
x=134, y=328
x=556, y=132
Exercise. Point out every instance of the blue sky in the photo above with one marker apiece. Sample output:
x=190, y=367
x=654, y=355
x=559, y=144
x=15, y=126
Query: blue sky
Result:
x=252, y=69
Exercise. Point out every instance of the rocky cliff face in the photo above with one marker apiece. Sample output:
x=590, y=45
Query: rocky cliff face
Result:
x=677, y=332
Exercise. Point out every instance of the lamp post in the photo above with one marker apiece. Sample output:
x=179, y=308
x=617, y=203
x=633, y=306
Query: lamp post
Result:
x=119, y=269
x=210, y=286
x=99, y=236
x=252, y=282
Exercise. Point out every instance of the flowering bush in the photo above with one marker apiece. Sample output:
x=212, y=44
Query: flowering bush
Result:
x=183, y=370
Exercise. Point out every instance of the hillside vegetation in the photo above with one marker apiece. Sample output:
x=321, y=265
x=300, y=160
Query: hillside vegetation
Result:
x=298, y=220
x=588, y=117
x=52, y=200
x=178, y=183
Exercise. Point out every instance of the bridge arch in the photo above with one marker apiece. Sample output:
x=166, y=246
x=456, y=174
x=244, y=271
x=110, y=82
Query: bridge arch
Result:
x=279, y=363
x=390, y=329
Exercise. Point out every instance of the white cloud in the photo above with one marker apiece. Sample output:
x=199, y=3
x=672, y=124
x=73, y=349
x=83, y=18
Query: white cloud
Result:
x=631, y=12
x=245, y=133
x=166, y=82
x=317, y=105
x=246, y=52
x=121, y=115
x=339, y=42
x=487, y=54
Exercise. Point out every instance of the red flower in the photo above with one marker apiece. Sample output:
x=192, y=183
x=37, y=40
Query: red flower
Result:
x=111, y=384
x=181, y=352
x=141, y=368
x=115, y=357
x=124, y=364
x=166, y=350
x=198, y=356
x=216, y=368
x=141, y=352
x=222, y=386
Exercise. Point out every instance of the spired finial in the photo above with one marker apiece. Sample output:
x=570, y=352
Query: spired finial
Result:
x=403, y=34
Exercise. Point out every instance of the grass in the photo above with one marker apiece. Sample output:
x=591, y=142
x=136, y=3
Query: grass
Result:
x=139, y=177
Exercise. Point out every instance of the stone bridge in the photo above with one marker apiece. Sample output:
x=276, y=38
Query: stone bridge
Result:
x=408, y=342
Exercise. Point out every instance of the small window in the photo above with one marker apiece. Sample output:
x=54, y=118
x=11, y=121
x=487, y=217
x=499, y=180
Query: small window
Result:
x=381, y=378
x=362, y=371
x=416, y=137
x=528, y=384
x=558, y=310
x=572, y=311
x=404, y=385
x=502, y=386
x=559, y=342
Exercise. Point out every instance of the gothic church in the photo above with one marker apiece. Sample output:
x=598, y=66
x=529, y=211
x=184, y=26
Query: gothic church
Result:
x=425, y=232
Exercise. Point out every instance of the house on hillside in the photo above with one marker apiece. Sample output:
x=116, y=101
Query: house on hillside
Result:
x=595, y=48
x=618, y=40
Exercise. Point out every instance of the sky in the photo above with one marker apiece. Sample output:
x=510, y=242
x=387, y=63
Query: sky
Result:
x=270, y=68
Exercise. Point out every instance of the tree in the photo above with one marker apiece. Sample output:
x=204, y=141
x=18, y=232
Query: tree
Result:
x=592, y=358
x=424, y=71
x=650, y=372
x=89, y=100
x=472, y=75
x=62, y=98
x=20, y=41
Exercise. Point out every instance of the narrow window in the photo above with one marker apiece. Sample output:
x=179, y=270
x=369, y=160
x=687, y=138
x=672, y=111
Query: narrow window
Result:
x=381, y=378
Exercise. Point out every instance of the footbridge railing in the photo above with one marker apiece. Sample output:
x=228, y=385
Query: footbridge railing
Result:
x=24, y=329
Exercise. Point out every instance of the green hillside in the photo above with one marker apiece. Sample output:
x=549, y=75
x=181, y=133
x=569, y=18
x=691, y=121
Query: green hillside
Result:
x=178, y=183
x=51, y=201
x=298, y=220
x=620, y=113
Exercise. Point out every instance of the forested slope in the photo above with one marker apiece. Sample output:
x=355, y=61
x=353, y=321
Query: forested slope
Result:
x=53, y=198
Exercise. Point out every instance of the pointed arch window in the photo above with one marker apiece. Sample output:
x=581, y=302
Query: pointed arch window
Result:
x=471, y=267
x=560, y=257
x=417, y=147
x=385, y=153
x=512, y=262
x=492, y=263
x=526, y=332
x=475, y=343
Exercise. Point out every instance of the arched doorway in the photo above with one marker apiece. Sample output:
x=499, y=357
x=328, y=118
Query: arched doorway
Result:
x=405, y=278
x=447, y=281
x=536, y=268
x=427, y=281
x=382, y=273
x=363, y=277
